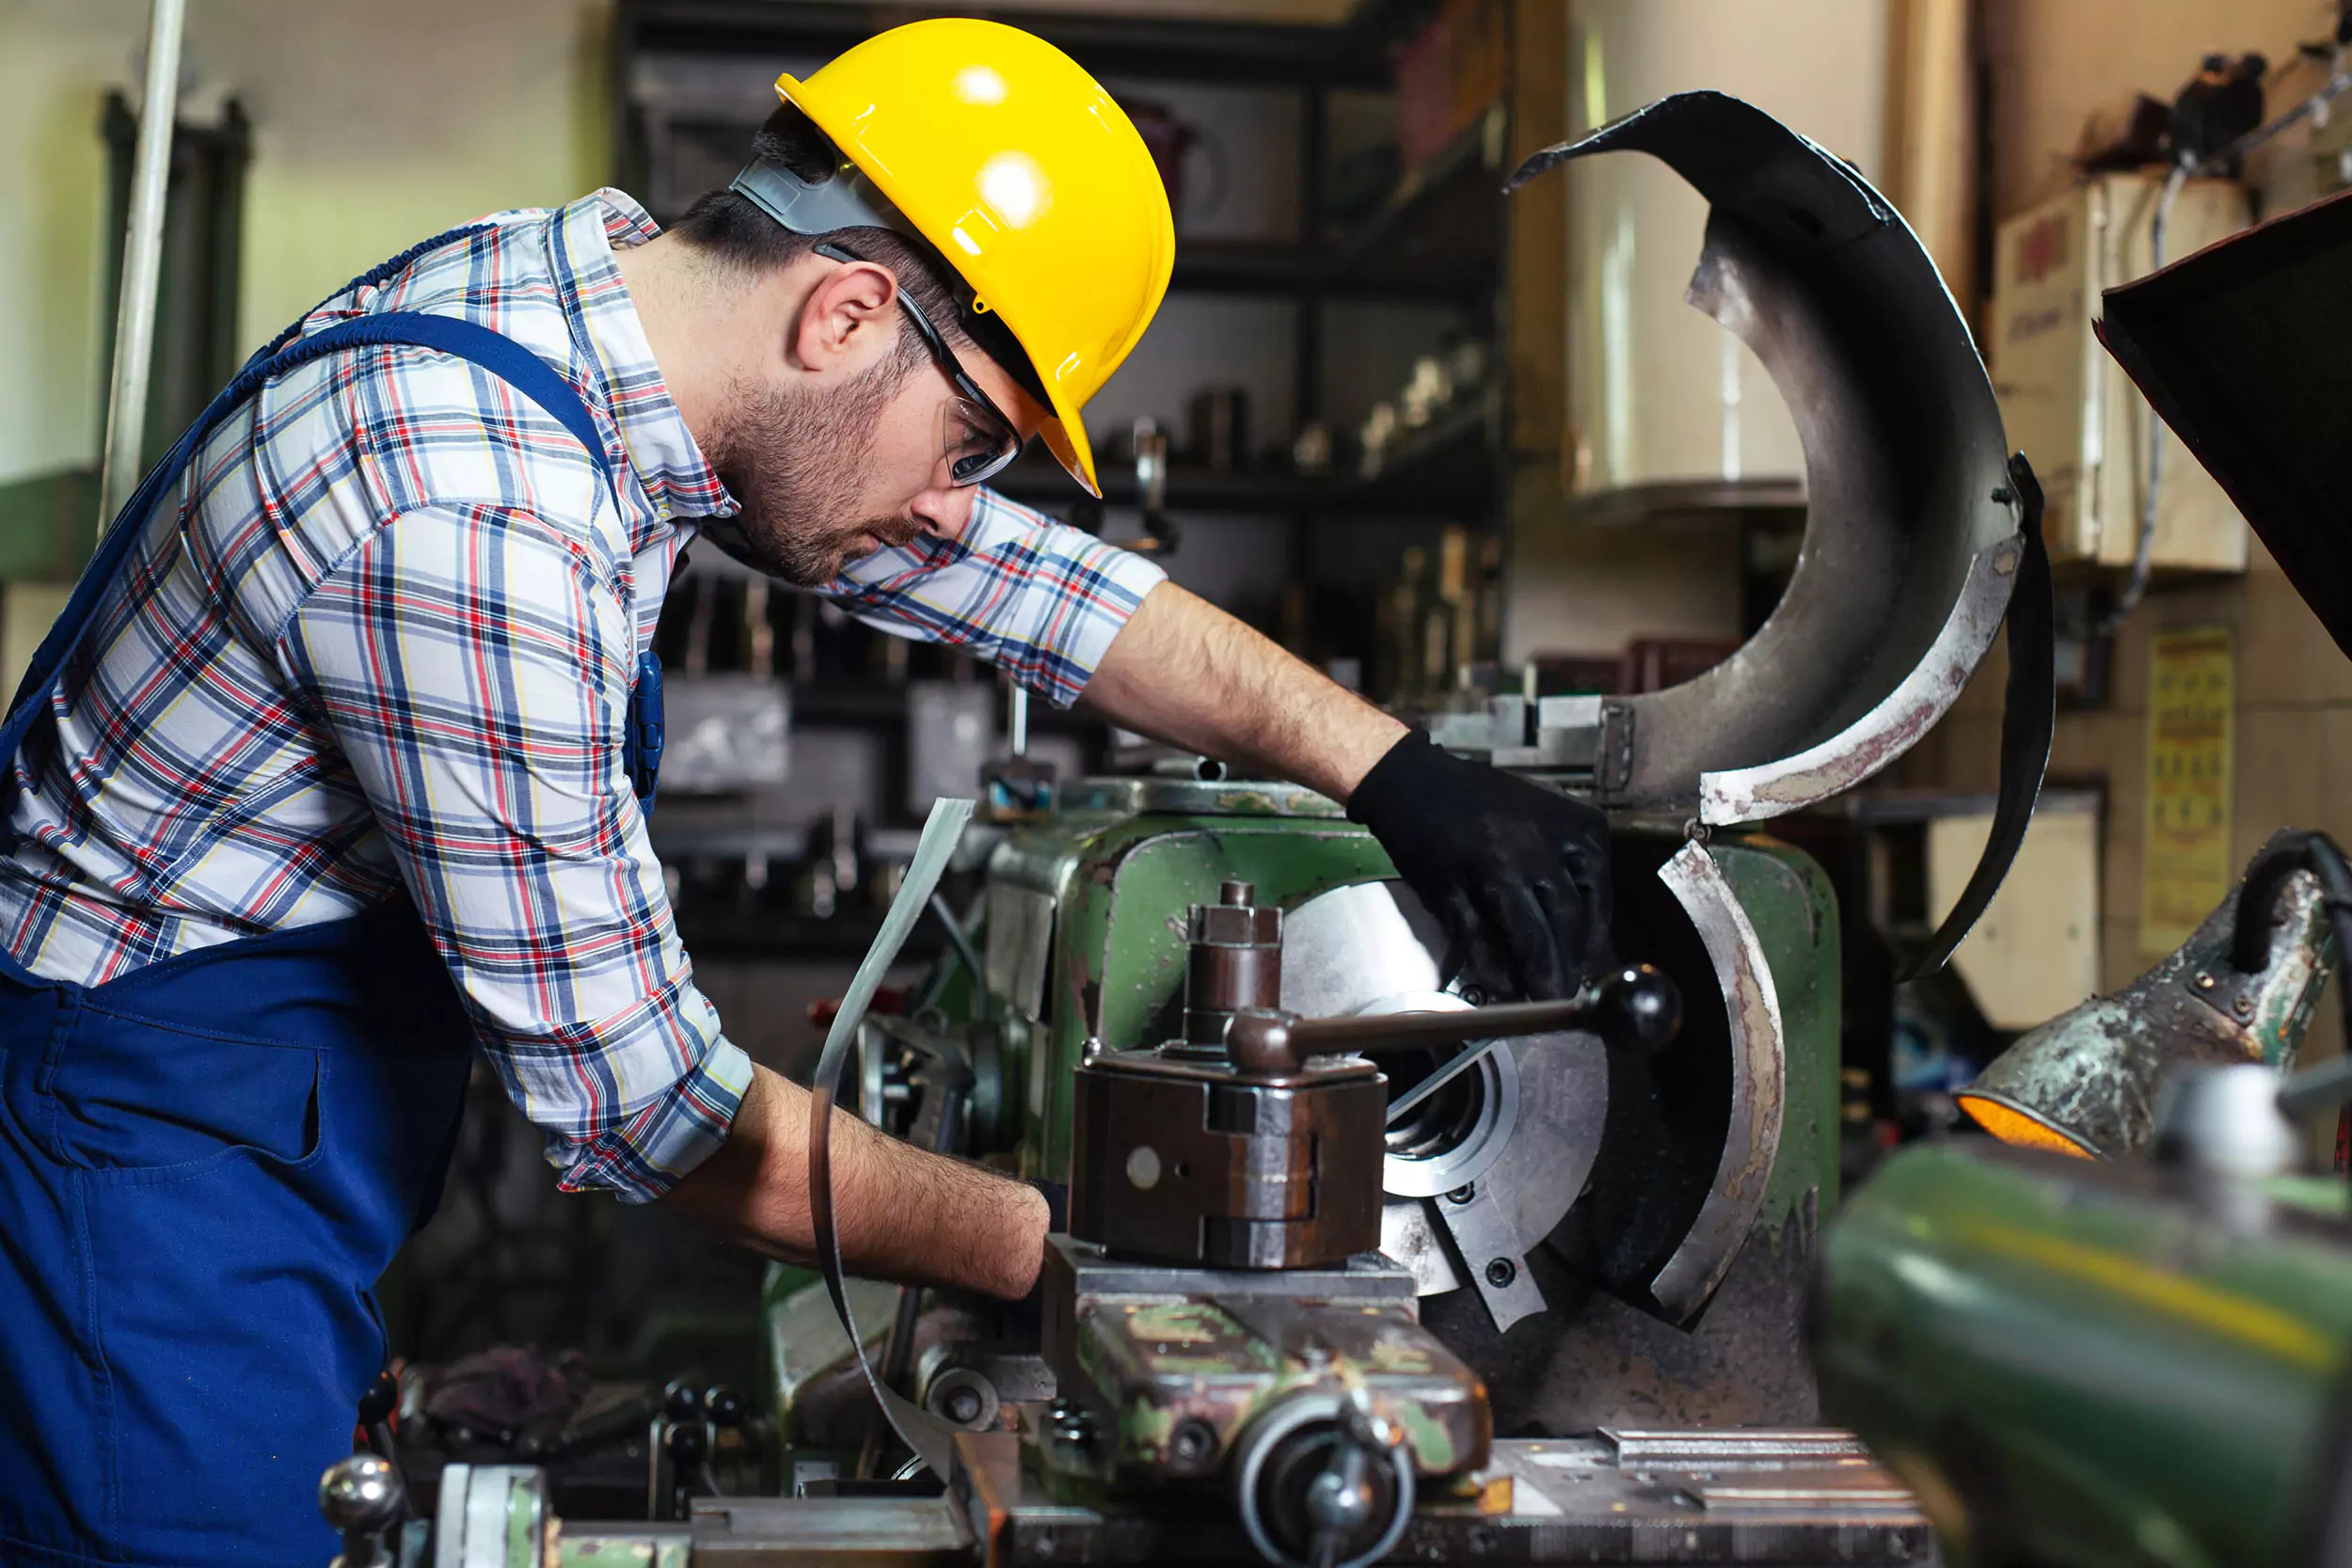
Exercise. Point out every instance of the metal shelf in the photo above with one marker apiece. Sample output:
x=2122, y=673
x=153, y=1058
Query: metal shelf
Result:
x=1415, y=482
x=1440, y=231
x=1455, y=452
x=1162, y=49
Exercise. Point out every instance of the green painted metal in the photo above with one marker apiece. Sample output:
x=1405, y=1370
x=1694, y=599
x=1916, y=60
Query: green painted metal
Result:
x=2092, y=1364
x=48, y=526
x=1121, y=886
x=1167, y=1364
x=668, y=1549
x=1117, y=884
x=1788, y=898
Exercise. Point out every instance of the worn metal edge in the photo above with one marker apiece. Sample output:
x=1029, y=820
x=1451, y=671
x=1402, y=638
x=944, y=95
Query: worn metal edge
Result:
x=1888, y=730
x=1758, y=1085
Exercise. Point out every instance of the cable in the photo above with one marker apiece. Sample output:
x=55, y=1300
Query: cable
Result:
x=2250, y=945
x=2184, y=169
x=2144, y=550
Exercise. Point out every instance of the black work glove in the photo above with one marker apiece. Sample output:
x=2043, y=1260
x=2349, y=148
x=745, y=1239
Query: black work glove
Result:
x=1517, y=874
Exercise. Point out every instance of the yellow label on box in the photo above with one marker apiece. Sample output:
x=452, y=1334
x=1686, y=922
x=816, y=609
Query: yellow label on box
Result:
x=2186, y=869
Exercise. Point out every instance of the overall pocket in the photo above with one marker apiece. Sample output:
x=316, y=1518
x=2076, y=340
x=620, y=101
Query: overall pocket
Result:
x=133, y=1095
x=223, y=1291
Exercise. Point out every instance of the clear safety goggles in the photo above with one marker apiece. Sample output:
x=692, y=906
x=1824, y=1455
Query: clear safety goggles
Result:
x=978, y=440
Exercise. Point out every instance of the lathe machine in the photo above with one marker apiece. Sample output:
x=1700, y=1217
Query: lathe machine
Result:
x=1357, y=1268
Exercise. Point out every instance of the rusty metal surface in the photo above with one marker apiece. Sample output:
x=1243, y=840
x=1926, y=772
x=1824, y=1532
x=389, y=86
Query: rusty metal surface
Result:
x=1909, y=552
x=1887, y=730
x=1236, y=963
x=1175, y=1363
x=1170, y=1164
x=1758, y=1085
x=1736, y=1448
x=2095, y=1072
x=1551, y=1501
x=753, y=1532
x=1201, y=797
x=1163, y=1363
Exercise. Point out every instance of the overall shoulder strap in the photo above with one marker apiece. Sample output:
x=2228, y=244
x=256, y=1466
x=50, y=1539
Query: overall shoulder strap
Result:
x=496, y=352
x=503, y=357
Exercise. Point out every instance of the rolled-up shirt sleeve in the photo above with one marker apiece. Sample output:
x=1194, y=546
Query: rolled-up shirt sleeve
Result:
x=476, y=675
x=1040, y=601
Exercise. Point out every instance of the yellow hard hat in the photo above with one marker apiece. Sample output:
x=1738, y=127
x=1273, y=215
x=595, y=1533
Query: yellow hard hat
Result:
x=1027, y=178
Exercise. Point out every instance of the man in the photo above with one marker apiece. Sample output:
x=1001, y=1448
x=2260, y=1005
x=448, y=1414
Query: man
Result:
x=331, y=772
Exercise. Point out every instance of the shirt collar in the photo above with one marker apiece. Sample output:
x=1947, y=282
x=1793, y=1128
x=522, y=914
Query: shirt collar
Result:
x=661, y=451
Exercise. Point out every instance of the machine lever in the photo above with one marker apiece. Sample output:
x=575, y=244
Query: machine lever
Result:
x=1638, y=1000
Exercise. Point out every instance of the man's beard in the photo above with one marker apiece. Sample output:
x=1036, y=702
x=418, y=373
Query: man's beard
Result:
x=795, y=461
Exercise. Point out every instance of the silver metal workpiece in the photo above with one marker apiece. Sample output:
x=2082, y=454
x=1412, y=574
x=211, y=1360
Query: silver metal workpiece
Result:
x=1494, y=1252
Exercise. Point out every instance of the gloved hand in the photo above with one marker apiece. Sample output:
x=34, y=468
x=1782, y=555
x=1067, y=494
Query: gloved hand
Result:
x=1517, y=874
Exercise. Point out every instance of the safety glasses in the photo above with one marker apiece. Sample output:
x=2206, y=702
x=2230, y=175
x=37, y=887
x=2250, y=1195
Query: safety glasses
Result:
x=978, y=440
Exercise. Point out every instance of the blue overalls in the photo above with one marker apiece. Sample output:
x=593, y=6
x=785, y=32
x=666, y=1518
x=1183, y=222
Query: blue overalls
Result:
x=206, y=1165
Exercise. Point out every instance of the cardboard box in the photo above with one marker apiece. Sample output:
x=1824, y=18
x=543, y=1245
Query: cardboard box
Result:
x=2069, y=406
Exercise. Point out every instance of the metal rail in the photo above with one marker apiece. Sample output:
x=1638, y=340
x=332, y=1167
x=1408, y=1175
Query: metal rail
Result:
x=142, y=261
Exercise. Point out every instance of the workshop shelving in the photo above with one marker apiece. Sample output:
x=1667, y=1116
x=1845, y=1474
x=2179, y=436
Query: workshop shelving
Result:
x=1439, y=233
x=1440, y=237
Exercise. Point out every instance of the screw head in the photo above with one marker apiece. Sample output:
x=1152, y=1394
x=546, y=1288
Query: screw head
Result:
x=2204, y=981
x=963, y=1406
x=1501, y=1271
x=1192, y=1443
x=1463, y=1193
x=2243, y=1006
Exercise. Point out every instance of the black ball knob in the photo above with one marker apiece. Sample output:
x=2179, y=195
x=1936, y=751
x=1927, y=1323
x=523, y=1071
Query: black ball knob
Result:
x=362, y=1492
x=680, y=1403
x=689, y=1443
x=1641, y=1006
x=724, y=1405
x=380, y=1401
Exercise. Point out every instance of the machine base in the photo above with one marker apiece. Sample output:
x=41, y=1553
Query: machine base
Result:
x=1767, y=1498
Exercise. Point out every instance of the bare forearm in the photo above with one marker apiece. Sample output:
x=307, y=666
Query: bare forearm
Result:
x=901, y=1214
x=1184, y=672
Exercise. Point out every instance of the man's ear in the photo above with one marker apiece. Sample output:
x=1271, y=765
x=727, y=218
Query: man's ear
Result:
x=846, y=318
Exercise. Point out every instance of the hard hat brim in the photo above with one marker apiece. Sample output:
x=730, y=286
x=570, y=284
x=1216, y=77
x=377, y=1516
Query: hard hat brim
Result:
x=1066, y=439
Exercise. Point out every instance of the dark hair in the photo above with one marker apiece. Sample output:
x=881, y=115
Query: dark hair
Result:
x=725, y=227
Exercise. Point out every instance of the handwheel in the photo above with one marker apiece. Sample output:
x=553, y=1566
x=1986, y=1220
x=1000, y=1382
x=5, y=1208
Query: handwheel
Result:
x=1322, y=1482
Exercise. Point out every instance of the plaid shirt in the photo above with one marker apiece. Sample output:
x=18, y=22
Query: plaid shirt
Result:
x=383, y=637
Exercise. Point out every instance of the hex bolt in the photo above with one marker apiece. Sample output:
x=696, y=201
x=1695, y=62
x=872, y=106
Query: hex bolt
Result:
x=1192, y=1443
x=1463, y=1193
x=1501, y=1271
